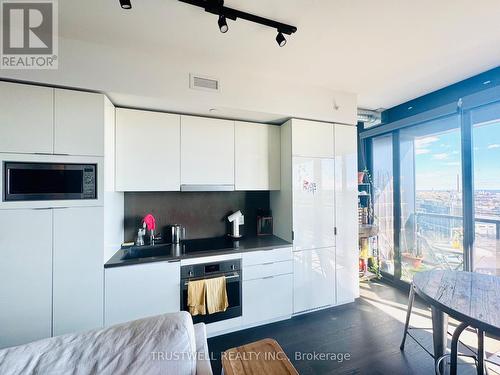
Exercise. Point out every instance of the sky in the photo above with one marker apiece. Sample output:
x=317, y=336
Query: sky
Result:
x=438, y=159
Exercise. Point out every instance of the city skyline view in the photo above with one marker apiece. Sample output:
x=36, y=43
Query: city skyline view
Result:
x=438, y=159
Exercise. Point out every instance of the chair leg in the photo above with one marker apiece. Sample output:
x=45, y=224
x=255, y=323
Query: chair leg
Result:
x=454, y=348
x=411, y=298
x=480, y=352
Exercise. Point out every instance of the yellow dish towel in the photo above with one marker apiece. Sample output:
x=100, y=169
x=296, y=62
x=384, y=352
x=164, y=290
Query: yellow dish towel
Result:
x=196, y=297
x=216, y=295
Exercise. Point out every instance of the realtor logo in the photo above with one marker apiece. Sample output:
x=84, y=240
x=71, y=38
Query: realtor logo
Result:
x=29, y=34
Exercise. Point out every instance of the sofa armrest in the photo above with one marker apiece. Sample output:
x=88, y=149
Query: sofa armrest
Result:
x=203, y=366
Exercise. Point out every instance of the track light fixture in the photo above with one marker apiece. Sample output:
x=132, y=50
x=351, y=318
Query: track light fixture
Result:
x=217, y=7
x=223, y=24
x=280, y=39
x=125, y=4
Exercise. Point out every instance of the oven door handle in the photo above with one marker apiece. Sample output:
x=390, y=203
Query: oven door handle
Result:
x=227, y=278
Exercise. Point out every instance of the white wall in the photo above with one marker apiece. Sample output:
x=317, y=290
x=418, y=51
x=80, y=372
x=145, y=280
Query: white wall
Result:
x=140, y=80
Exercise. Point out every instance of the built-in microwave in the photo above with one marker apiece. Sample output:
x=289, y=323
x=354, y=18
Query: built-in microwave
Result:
x=33, y=181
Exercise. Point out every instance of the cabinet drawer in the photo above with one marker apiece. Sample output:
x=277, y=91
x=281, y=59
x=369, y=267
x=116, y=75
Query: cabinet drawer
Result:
x=267, y=299
x=267, y=269
x=267, y=256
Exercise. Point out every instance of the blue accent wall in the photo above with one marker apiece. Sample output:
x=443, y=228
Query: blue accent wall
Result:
x=447, y=95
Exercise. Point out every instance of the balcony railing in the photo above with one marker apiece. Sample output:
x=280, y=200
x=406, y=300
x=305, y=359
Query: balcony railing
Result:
x=435, y=241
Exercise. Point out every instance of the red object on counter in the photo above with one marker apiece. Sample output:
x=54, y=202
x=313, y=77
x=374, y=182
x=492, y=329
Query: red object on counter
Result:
x=150, y=222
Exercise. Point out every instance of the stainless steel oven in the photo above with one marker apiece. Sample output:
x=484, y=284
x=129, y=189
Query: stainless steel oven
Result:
x=231, y=269
x=32, y=181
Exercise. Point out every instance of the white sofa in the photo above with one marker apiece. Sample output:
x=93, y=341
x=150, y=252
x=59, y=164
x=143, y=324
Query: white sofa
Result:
x=165, y=344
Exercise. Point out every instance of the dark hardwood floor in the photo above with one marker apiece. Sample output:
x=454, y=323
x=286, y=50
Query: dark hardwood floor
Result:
x=369, y=329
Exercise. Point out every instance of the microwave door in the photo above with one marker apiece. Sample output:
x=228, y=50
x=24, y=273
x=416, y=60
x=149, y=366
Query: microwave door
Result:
x=49, y=181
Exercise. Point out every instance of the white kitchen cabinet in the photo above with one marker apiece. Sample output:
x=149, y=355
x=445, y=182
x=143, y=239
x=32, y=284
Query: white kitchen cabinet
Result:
x=254, y=258
x=78, y=272
x=147, y=151
x=257, y=156
x=138, y=291
x=313, y=202
x=207, y=151
x=26, y=118
x=78, y=123
x=312, y=139
x=25, y=276
x=346, y=198
x=267, y=299
x=313, y=279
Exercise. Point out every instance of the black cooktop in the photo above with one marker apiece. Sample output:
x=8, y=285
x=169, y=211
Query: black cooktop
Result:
x=207, y=244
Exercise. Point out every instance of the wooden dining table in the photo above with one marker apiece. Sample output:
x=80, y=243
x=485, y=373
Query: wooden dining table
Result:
x=471, y=298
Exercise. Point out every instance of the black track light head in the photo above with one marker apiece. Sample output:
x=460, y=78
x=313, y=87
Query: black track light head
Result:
x=280, y=39
x=223, y=24
x=125, y=4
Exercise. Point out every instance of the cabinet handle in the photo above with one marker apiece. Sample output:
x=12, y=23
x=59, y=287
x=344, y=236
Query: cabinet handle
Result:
x=268, y=277
x=267, y=264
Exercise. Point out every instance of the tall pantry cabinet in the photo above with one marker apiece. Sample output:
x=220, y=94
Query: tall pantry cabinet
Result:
x=316, y=210
x=52, y=252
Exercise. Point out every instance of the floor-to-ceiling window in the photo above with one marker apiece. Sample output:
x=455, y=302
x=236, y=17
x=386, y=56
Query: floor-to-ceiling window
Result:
x=431, y=199
x=383, y=188
x=436, y=188
x=486, y=140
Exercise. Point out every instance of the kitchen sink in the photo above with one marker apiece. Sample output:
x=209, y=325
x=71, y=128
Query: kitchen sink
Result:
x=148, y=251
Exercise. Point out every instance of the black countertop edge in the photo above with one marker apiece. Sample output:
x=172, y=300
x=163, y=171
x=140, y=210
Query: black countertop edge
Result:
x=247, y=244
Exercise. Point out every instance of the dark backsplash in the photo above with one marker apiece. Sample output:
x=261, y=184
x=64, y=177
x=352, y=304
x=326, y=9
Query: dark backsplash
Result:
x=202, y=213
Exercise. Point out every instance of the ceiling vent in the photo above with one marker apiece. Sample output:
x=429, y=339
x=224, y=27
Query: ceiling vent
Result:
x=198, y=82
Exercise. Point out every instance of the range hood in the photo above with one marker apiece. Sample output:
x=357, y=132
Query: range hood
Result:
x=194, y=187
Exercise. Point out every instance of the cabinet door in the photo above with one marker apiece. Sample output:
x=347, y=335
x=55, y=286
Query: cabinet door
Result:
x=207, y=151
x=257, y=156
x=313, y=203
x=313, y=279
x=25, y=276
x=78, y=269
x=312, y=139
x=79, y=123
x=139, y=291
x=147, y=151
x=267, y=298
x=346, y=198
x=26, y=118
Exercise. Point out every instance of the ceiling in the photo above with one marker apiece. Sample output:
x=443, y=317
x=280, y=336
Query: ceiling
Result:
x=386, y=51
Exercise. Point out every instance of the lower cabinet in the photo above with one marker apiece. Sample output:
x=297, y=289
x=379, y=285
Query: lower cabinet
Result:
x=267, y=298
x=267, y=285
x=78, y=271
x=313, y=279
x=25, y=276
x=138, y=291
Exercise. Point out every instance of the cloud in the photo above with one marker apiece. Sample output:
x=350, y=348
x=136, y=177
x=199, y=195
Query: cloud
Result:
x=423, y=142
x=453, y=163
x=442, y=156
x=422, y=151
x=495, y=145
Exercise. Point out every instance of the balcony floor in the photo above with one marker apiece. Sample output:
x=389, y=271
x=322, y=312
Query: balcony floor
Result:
x=370, y=329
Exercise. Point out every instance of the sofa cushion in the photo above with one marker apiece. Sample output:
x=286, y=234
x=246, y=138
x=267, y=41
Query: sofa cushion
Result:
x=163, y=344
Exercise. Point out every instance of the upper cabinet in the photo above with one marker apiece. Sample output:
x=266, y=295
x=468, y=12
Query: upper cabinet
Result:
x=78, y=123
x=312, y=139
x=207, y=151
x=257, y=156
x=44, y=120
x=147, y=151
x=26, y=118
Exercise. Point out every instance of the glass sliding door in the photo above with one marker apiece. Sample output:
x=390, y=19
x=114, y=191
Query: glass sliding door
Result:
x=431, y=234
x=486, y=141
x=383, y=204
